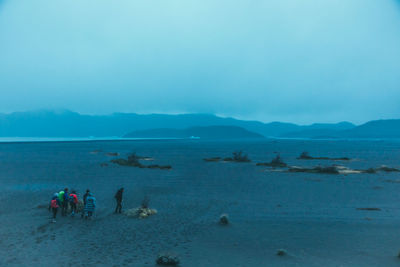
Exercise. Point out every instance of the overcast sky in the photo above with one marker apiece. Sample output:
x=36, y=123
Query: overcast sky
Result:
x=298, y=61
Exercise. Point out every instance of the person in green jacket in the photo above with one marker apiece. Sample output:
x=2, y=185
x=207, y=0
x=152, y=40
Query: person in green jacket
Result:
x=61, y=196
x=64, y=199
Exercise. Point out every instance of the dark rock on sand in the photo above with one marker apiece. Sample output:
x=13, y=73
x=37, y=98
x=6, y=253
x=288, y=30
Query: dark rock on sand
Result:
x=281, y=252
x=168, y=259
x=277, y=162
x=224, y=219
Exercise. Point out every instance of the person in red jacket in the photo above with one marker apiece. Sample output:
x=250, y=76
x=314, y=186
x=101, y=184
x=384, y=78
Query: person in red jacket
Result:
x=73, y=201
x=54, y=205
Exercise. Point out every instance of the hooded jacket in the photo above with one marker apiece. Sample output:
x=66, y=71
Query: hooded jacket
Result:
x=90, y=203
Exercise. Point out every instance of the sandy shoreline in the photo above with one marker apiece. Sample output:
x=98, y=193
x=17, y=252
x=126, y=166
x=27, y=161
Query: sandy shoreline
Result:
x=315, y=218
x=116, y=240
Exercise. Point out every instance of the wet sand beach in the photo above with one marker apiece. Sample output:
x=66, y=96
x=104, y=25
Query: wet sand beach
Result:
x=315, y=218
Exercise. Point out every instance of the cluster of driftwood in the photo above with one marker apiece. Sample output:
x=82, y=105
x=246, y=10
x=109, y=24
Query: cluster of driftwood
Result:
x=335, y=169
x=278, y=162
x=338, y=169
x=141, y=212
x=133, y=160
x=305, y=155
x=237, y=156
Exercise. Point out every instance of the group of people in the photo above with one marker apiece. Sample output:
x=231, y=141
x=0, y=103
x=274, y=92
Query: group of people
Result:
x=68, y=203
x=64, y=200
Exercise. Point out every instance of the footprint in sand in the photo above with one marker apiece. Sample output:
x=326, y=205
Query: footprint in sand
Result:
x=42, y=228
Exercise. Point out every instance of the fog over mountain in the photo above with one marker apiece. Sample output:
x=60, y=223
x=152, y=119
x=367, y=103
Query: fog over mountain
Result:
x=275, y=60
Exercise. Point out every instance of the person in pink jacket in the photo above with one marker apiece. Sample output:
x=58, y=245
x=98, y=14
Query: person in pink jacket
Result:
x=73, y=202
x=54, y=205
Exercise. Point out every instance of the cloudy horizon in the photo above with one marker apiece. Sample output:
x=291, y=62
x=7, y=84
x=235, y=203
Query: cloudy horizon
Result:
x=273, y=60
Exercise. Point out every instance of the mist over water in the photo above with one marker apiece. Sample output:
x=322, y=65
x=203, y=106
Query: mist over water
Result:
x=298, y=61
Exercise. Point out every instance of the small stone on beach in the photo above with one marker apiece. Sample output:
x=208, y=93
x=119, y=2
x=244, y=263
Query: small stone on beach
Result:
x=167, y=259
x=281, y=252
x=224, y=219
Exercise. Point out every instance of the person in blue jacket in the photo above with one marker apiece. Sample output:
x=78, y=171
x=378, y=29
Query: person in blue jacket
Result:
x=90, y=206
x=65, y=202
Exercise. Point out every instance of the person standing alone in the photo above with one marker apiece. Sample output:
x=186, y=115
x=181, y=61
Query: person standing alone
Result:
x=118, y=198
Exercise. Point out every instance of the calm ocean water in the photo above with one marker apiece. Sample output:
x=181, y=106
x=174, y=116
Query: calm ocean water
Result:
x=241, y=189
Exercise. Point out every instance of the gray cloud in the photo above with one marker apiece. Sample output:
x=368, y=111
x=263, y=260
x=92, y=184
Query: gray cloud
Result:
x=299, y=61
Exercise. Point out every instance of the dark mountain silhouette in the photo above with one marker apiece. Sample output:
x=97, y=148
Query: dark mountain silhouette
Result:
x=70, y=124
x=207, y=132
x=375, y=129
x=320, y=130
x=371, y=129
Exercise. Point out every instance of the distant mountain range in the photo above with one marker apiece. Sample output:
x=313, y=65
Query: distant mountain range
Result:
x=71, y=124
